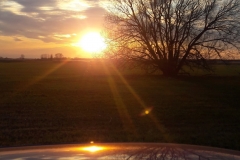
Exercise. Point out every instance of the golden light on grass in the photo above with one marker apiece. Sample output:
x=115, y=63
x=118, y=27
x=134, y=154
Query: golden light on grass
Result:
x=92, y=148
x=92, y=42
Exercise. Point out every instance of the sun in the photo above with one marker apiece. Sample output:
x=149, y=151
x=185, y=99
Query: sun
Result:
x=92, y=42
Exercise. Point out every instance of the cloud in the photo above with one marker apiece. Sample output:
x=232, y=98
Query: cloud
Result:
x=49, y=20
x=17, y=39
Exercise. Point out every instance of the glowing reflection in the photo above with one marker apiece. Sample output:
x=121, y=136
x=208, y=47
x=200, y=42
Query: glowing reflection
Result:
x=92, y=148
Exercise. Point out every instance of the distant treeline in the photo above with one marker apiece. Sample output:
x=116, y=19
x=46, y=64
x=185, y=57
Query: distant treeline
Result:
x=213, y=61
x=54, y=59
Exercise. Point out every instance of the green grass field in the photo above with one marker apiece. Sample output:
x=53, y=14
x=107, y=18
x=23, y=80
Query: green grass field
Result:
x=53, y=102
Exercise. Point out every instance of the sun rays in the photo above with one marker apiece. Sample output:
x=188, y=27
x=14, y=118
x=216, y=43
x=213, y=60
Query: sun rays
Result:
x=122, y=108
x=38, y=78
x=128, y=122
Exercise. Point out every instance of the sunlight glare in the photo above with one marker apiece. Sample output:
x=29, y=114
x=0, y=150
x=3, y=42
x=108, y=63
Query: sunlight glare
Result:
x=92, y=148
x=92, y=42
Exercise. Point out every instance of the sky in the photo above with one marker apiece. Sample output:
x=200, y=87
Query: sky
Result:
x=35, y=27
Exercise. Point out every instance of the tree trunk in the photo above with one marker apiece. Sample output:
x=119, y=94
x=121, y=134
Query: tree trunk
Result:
x=168, y=67
x=169, y=71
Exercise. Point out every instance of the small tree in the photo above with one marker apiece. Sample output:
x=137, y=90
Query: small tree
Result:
x=22, y=56
x=169, y=34
x=58, y=55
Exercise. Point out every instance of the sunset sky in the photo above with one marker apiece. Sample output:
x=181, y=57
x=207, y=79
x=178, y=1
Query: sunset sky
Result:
x=35, y=27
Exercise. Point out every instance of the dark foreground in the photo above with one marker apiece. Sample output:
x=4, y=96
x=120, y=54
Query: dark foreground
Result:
x=76, y=102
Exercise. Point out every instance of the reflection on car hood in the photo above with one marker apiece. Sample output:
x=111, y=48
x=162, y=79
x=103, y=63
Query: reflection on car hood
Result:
x=119, y=151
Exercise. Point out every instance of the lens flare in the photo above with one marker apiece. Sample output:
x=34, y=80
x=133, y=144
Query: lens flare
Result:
x=146, y=111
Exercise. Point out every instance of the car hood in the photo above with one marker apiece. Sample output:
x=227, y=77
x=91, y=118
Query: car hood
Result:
x=118, y=151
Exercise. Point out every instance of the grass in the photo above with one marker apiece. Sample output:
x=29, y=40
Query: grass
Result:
x=55, y=102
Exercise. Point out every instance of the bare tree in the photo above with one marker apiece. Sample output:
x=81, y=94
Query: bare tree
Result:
x=58, y=55
x=169, y=34
x=22, y=56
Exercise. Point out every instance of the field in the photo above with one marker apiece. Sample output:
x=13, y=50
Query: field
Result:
x=58, y=102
